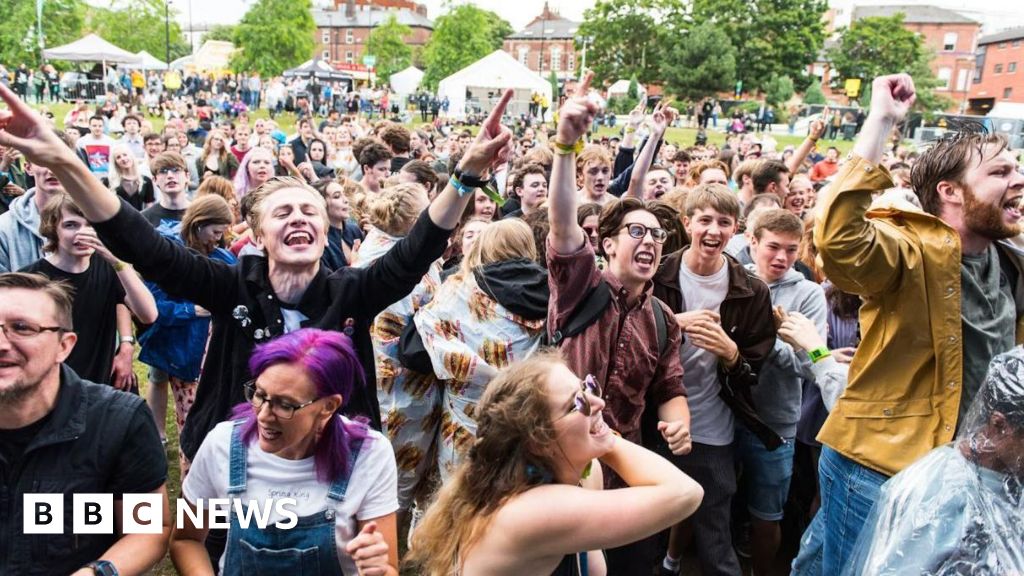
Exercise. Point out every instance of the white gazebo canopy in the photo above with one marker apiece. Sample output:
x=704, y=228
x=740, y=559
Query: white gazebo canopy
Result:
x=621, y=88
x=485, y=80
x=149, y=62
x=92, y=48
x=406, y=81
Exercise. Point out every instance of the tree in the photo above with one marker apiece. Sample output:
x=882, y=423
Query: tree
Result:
x=880, y=45
x=462, y=36
x=136, y=25
x=628, y=37
x=62, y=23
x=700, y=63
x=814, y=95
x=222, y=32
x=387, y=44
x=274, y=35
x=771, y=37
x=779, y=90
x=555, y=92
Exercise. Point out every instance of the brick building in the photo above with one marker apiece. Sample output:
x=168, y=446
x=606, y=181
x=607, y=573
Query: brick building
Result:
x=342, y=30
x=951, y=36
x=547, y=43
x=998, y=76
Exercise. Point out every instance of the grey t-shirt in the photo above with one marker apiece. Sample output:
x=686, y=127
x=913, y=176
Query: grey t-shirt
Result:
x=988, y=316
x=711, y=421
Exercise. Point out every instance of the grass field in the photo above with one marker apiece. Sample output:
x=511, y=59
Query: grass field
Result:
x=681, y=137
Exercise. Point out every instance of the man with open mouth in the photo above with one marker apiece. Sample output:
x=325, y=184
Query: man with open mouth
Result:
x=942, y=293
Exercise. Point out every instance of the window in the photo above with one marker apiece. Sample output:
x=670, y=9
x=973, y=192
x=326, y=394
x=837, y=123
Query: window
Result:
x=325, y=37
x=998, y=69
x=348, y=36
x=1011, y=67
x=325, y=55
x=962, y=78
x=1015, y=43
x=944, y=75
x=949, y=42
x=349, y=57
x=1002, y=45
x=1007, y=92
x=524, y=55
x=571, y=57
x=556, y=58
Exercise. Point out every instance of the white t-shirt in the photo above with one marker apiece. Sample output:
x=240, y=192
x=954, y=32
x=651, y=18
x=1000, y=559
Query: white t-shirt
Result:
x=372, y=490
x=711, y=421
x=97, y=152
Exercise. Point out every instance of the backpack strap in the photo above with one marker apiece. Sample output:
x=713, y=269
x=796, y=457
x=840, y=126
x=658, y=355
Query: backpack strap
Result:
x=661, y=324
x=586, y=313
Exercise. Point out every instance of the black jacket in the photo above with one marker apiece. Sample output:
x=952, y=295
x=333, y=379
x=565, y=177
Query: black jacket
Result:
x=747, y=318
x=95, y=440
x=246, y=311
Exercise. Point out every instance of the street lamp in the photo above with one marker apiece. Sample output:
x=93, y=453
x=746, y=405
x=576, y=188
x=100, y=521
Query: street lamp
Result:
x=39, y=29
x=167, y=31
x=584, y=40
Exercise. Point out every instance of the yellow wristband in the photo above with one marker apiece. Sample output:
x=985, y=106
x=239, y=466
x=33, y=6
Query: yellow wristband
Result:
x=565, y=149
x=119, y=266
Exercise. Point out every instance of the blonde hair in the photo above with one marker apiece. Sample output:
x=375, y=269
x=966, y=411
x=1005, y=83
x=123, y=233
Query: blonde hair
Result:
x=593, y=154
x=510, y=239
x=116, y=176
x=507, y=458
x=222, y=157
x=276, y=184
x=396, y=208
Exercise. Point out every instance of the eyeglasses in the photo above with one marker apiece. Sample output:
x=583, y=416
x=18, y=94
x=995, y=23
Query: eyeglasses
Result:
x=581, y=401
x=169, y=170
x=23, y=330
x=638, y=231
x=280, y=408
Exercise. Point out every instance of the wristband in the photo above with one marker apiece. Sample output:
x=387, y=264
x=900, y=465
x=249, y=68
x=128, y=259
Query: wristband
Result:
x=566, y=149
x=119, y=266
x=629, y=130
x=461, y=188
x=819, y=354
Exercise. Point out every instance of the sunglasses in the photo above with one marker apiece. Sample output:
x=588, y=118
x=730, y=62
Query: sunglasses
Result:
x=581, y=401
x=638, y=231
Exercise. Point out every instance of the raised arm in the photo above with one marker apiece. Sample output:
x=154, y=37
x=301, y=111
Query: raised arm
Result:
x=814, y=133
x=661, y=119
x=858, y=256
x=491, y=148
x=574, y=119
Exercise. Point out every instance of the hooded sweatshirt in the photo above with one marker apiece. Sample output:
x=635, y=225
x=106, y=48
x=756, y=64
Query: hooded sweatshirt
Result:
x=777, y=395
x=20, y=241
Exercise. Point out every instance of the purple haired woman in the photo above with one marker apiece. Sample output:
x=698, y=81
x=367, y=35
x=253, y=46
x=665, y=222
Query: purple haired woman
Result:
x=291, y=441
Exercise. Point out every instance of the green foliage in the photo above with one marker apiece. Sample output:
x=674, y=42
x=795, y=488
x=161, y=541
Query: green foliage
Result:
x=880, y=45
x=629, y=37
x=222, y=32
x=62, y=23
x=461, y=37
x=772, y=37
x=814, y=94
x=136, y=25
x=779, y=90
x=700, y=63
x=553, y=80
x=387, y=43
x=274, y=35
x=633, y=90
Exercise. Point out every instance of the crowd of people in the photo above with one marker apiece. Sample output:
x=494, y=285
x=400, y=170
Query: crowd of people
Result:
x=531, y=349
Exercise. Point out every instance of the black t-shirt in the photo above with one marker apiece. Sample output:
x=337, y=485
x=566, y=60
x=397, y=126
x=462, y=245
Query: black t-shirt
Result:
x=97, y=292
x=157, y=213
x=14, y=442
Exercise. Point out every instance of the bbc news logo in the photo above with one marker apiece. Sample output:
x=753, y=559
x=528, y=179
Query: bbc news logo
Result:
x=144, y=513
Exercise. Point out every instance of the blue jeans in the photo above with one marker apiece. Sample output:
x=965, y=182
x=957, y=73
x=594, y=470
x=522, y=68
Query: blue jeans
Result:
x=766, y=474
x=848, y=491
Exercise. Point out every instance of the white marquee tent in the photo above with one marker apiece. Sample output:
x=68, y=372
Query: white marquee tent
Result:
x=406, y=82
x=149, y=62
x=477, y=87
x=621, y=88
x=91, y=48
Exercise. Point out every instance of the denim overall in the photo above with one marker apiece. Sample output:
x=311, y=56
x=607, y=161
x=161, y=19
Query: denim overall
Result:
x=307, y=549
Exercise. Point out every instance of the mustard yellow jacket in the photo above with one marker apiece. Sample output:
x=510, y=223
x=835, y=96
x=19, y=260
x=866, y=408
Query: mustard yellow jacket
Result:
x=903, y=394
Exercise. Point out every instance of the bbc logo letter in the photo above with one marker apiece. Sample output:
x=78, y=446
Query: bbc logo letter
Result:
x=93, y=514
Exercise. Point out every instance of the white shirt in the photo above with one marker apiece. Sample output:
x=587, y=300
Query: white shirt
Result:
x=372, y=490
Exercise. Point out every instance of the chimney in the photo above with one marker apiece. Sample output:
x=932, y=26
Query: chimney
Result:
x=350, y=9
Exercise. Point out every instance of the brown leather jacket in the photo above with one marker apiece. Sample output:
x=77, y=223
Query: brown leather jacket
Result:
x=747, y=319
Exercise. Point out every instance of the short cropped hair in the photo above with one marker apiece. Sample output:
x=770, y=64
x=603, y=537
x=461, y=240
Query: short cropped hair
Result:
x=59, y=292
x=593, y=154
x=374, y=153
x=715, y=197
x=766, y=173
x=778, y=221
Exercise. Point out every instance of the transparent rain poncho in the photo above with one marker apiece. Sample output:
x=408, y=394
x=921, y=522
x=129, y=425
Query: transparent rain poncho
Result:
x=958, y=510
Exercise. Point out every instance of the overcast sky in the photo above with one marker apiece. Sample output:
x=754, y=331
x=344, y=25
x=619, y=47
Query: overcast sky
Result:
x=995, y=14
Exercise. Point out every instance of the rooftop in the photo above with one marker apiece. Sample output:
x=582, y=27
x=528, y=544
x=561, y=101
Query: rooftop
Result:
x=368, y=18
x=915, y=14
x=548, y=25
x=1004, y=36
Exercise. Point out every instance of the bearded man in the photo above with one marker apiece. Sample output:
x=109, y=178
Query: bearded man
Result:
x=943, y=294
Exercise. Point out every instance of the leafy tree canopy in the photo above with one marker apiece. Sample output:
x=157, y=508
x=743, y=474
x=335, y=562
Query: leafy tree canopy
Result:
x=274, y=35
